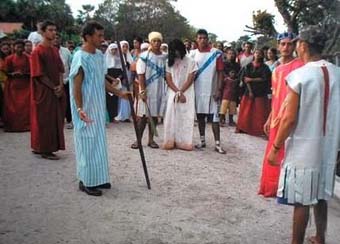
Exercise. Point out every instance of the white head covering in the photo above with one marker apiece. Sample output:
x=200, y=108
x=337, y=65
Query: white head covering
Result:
x=164, y=45
x=129, y=58
x=155, y=35
x=144, y=45
x=112, y=61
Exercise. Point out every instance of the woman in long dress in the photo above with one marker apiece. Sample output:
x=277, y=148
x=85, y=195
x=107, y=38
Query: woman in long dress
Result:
x=179, y=116
x=124, y=111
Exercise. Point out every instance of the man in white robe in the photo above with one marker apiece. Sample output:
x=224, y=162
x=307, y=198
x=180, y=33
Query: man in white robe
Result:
x=208, y=83
x=311, y=128
x=151, y=73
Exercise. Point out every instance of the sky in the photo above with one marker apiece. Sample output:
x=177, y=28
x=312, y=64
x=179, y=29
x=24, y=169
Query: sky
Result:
x=227, y=19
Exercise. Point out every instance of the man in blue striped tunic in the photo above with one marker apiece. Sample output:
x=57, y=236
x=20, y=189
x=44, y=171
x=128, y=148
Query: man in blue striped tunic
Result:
x=88, y=82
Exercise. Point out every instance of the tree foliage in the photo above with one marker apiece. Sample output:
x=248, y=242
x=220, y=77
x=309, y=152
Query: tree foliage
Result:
x=263, y=24
x=31, y=11
x=299, y=13
x=84, y=14
x=129, y=18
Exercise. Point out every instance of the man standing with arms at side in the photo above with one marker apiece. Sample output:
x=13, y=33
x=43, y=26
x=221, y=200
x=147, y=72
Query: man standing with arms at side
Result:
x=208, y=86
x=287, y=63
x=310, y=128
x=151, y=72
x=66, y=57
x=47, y=96
x=88, y=82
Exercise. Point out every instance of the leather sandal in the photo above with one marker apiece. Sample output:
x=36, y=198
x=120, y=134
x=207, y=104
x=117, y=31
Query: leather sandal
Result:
x=92, y=191
x=200, y=145
x=49, y=156
x=220, y=150
x=153, y=144
x=105, y=186
x=134, y=145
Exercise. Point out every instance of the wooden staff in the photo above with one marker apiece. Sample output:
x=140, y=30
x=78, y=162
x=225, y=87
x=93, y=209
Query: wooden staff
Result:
x=134, y=117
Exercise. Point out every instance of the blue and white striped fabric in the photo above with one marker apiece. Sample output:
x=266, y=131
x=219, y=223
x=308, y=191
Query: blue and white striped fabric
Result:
x=90, y=139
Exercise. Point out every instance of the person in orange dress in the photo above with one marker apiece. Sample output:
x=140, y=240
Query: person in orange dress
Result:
x=286, y=64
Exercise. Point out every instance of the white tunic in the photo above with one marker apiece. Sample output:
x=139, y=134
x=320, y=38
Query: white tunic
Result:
x=206, y=82
x=308, y=169
x=179, y=117
x=153, y=66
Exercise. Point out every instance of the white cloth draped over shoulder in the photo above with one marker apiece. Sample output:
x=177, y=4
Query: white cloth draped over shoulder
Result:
x=179, y=117
x=206, y=81
x=308, y=169
x=153, y=66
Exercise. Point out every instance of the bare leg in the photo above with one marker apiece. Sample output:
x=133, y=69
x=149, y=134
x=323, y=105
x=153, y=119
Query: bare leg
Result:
x=151, y=133
x=216, y=130
x=201, y=129
x=320, y=213
x=141, y=124
x=300, y=220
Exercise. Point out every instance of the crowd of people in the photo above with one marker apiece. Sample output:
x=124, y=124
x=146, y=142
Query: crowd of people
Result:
x=274, y=92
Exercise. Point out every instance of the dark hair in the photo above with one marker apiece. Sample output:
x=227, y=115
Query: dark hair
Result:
x=315, y=49
x=249, y=43
x=90, y=28
x=28, y=41
x=274, y=51
x=138, y=39
x=19, y=41
x=261, y=51
x=46, y=23
x=4, y=44
x=202, y=32
x=175, y=45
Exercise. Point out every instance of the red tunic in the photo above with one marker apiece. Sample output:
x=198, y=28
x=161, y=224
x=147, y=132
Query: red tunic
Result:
x=17, y=94
x=270, y=174
x=47, y=110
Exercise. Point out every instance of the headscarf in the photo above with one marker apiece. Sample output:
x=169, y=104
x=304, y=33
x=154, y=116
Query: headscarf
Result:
x=144, y=46
x=112, y=61
x=128, y=56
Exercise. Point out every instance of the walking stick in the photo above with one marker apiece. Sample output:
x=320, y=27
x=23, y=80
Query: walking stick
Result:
x=134, y=118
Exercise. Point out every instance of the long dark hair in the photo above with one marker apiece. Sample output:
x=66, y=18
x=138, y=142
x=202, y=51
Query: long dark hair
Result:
x=175, y=45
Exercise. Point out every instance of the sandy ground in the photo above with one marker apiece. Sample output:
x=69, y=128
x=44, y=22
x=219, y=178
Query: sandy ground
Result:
x=197, y=197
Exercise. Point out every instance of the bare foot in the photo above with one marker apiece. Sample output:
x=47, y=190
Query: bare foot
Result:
x=315, y=240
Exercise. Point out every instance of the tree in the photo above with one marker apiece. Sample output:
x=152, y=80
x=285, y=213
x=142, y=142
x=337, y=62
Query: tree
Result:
x=139, y=17
x=298, y=13
x=263, y=24
x=8, y=11
x=85, y=13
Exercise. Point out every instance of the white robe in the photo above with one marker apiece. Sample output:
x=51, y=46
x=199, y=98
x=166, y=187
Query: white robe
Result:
x=206, y=83
x=147, y=64
x=307, y=173
x=179, y=117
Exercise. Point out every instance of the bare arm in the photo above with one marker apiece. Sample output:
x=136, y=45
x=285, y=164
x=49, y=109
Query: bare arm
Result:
x=170, y=83
x=77, y=91
x=266, y=127
x=141, y=80
x=286, y=125
x=111, y=88
x=189, y=81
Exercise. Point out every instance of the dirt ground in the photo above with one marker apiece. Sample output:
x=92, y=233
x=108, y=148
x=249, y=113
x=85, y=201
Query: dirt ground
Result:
x=197, y=197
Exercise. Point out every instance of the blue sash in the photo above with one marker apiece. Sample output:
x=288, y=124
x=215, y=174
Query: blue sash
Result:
x=160, y=71
x=207, y=63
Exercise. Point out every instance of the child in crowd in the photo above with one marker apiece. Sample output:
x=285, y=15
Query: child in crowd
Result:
x=229, y=97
